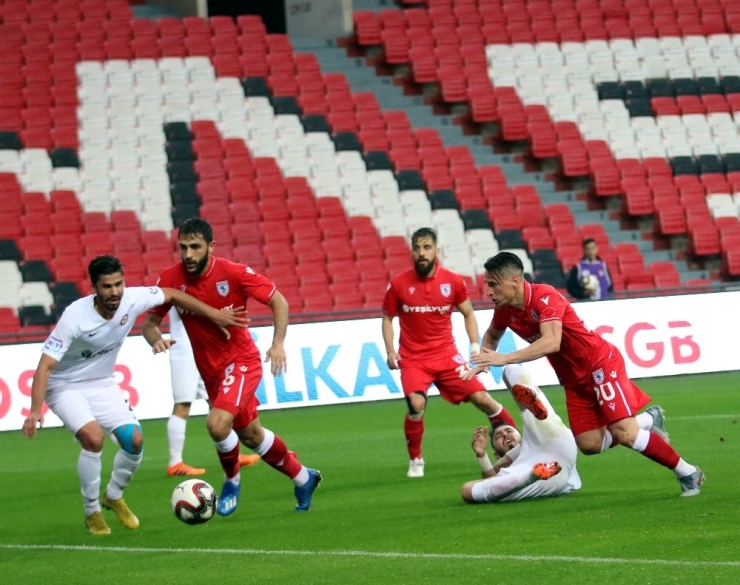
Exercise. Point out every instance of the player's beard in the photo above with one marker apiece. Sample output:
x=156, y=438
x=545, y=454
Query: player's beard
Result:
x=424, y=270
x=199, y=266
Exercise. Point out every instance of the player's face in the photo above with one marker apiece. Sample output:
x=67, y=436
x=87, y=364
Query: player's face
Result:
x=424, y=252
x=502, y=288
x=195, y=253
x=108, y=291
x=505, y=438
x=591, y=250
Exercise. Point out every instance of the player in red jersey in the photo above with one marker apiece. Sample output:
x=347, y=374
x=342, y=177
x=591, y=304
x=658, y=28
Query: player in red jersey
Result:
x=231, y=370
x=601, y=399
x=423, y=298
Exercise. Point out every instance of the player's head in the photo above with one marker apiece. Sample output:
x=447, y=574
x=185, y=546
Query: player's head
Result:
x=106, y=277
x=424, y=250
x=195, y=240
x=504, y=438
x=590, y=249
x=504, y=277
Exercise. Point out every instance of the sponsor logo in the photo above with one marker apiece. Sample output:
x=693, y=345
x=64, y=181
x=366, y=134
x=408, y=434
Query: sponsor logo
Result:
x=598, y=376
x=124, y=319
x=153, y=289
x=613, y=373
x=94, y=333
x=183, y=287
x=445, y=289
x=248, y=270
x=546, y=299
x=87, y=354
x=226, y=389
x=53, y=344
x=242, y=368
x=426, y=309
x=612, y=405
x=411, y=289
x=222, y=287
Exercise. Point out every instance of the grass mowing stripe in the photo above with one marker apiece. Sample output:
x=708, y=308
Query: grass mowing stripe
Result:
x=378, y=554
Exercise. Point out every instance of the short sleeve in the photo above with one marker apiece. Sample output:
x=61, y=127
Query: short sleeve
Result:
x=162, y=308
x=256, y=286
x=65, y=332
x=498, y=322
x=461, y=291
x=555, y=309
x=390, y=301
x=146, y=297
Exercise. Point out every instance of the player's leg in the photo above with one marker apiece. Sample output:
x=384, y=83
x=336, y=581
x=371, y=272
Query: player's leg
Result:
x=74, y=409
x=276, y=454
x=455, y=390
x=187, y=386
x=415, y=381
x=527, y=394
x=653, y=419
x=117, y=418
x=219, y=424
x=512, y=485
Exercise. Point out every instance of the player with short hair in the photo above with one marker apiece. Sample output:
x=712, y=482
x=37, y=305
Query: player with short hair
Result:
x=423, y=298
x=231, y=370
x=540, y=462
x=187, y=386
x=602, y=400
x=76, y=377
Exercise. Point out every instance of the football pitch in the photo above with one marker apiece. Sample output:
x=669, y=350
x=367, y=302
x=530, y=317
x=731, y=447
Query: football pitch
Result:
x=370, y=524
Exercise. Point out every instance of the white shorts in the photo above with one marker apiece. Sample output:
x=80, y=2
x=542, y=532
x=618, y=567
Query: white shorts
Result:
x=187, y=385
x=78, y=404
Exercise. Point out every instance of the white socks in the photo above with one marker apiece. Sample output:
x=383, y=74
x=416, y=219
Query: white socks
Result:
x=606, y=442
x=176, y=438
x=645, y=421
x=641, y=440
x=226, y=446
x=124, y=466
x=264, y=447
x=89, y=467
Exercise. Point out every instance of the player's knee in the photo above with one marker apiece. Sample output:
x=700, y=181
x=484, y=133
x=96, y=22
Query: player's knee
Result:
x=218, y=426
x=467, y=492
x=588, y=447
x=130, y=438
x=91, y=438
x=416, y=402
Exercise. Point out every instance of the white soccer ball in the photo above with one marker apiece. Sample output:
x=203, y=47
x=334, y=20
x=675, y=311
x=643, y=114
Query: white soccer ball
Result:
x=194, y=501
x=590, y=282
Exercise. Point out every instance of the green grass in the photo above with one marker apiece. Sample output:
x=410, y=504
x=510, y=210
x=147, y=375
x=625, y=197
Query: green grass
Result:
x=370, y=524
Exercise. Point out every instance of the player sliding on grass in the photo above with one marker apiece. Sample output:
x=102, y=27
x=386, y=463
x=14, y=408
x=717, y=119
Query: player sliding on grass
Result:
x=231, y=370
x=423, y=298
x=76, y=377
x=540, y=462
x=601, y=399
x=187, y=386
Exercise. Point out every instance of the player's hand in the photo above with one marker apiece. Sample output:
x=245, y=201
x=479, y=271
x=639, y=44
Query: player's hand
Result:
x=488, y=357
x=162, y=345
x=277, y=358
x=31, y=422
x=473, y=372
x=235, y=317
x=479, y=442
x=392, y=360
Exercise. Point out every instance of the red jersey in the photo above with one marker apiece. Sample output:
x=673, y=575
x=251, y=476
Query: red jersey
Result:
x=578, y=346
x=424, y=308
x=224, y=285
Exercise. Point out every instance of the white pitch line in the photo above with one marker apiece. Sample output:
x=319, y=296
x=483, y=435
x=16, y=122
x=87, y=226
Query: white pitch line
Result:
x=374, y=554
x=701, y=416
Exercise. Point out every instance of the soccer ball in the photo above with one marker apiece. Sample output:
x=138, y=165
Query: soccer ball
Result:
x=590, y=282
x=194, y=501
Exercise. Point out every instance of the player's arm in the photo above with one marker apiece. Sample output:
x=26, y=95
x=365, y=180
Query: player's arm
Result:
x=38, y=392
x=390, y=350
x=276, y=354
x=153, y=335
x=551, y=333
x=235, y=317
x=471, y=324
x=490, y=341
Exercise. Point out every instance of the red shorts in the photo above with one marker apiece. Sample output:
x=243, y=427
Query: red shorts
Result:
x=606, y=396
x=235, y=391
x=444, y=373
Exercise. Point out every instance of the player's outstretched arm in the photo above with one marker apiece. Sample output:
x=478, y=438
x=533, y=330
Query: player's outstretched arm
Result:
x=235, y=317
x=153, y=335
x=276, y=354
x=38, y=392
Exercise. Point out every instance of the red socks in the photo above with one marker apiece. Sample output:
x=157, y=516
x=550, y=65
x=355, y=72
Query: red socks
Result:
x=414, y=430
x=278, y=457
x=230, y=461
x=502, y=416
x=661, y=452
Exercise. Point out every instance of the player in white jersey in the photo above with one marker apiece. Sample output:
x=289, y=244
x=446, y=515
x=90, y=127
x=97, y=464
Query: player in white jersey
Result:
x=540, y=462
x=75, y=376
x=187, y=387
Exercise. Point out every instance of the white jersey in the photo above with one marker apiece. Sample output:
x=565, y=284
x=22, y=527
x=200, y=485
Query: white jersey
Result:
x=86, y=345
x=182, y=350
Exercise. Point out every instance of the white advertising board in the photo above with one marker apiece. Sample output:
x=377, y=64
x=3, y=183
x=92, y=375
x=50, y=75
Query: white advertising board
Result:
x=344, y=361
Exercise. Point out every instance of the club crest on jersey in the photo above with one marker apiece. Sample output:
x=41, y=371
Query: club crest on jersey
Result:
x=459, y=359
x=534, y=314
x=445, y=289
x=124, y=319
x=222, y=287
x=598, y=376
